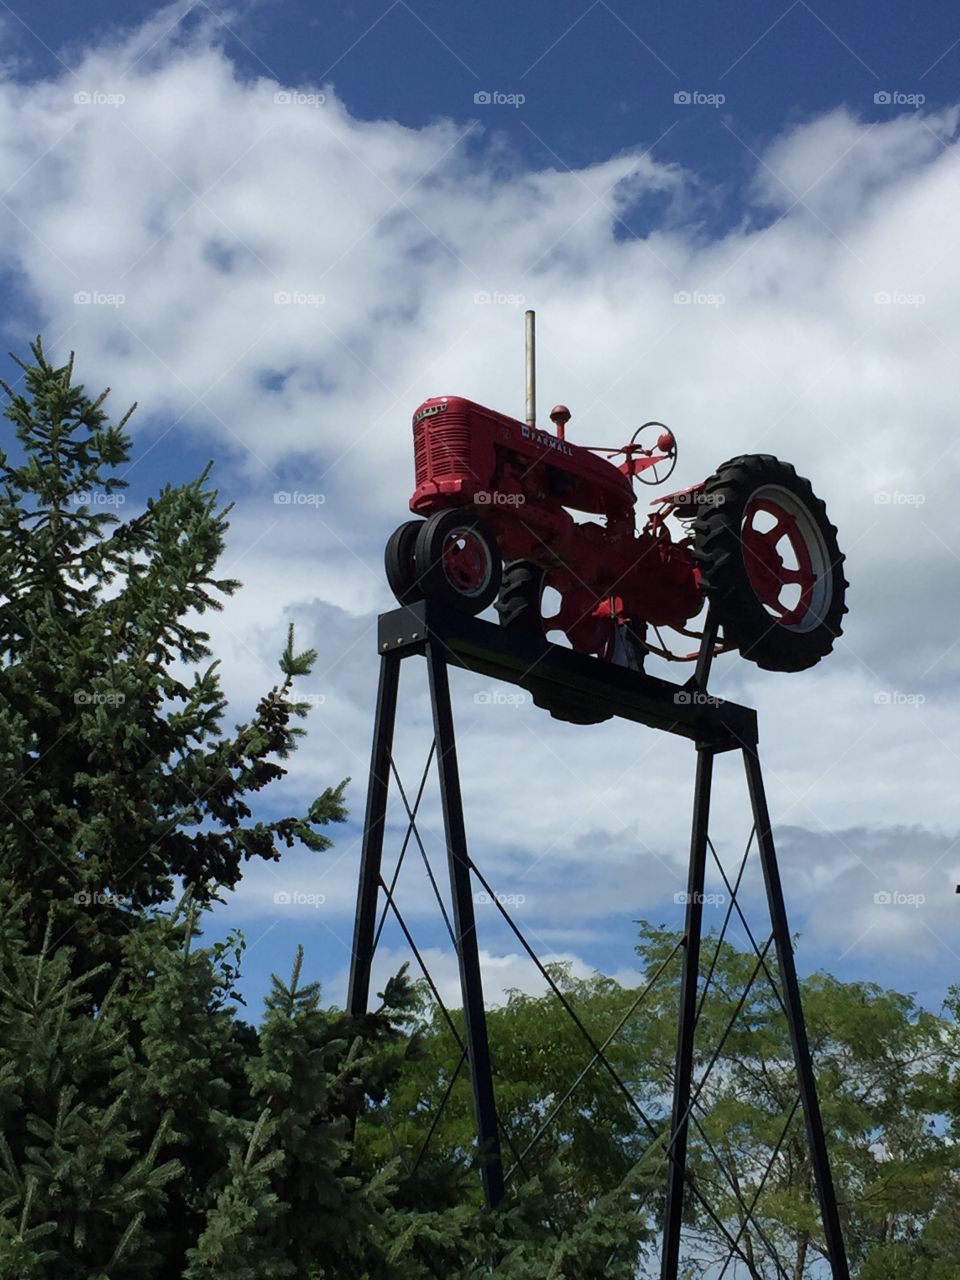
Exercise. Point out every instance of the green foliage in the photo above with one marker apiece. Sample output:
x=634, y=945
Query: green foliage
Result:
x=147, y=1130
x=887, y=1078
x=77, y=1179
x=115, y=773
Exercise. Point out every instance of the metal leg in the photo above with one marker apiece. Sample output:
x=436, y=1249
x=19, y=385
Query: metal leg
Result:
x=478, y=1047
x=826, y=1194
x=705, y=658
x=683, y=1073
x=365, y=923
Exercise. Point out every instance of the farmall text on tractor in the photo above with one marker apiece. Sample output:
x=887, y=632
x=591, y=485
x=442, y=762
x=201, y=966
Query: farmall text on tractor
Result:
x=494, y=498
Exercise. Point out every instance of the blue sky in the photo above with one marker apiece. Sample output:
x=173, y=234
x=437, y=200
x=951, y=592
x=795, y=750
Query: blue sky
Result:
x=784, y=184
x=597, y=78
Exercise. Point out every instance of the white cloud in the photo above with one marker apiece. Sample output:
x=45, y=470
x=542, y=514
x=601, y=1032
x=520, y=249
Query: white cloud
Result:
x=199, y=198
x=502, y=973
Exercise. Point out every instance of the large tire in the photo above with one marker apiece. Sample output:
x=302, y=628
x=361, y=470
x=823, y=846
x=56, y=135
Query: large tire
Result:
x=519, y=607
x=743, y=571
x=458, y=561
x=399, y=562
x=521, y=592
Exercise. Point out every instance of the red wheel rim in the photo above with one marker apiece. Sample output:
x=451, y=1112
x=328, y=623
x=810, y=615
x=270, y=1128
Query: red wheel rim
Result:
x=766, y=569
x=466, y=561
x=587, y=623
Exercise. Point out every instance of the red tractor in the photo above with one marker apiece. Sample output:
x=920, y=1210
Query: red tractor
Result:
x=498, y=496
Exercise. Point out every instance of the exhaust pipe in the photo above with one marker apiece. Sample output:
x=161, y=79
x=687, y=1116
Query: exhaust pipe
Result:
x=531, y=367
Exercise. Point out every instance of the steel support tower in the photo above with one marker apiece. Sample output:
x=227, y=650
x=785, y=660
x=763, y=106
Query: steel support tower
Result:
x=580, y=683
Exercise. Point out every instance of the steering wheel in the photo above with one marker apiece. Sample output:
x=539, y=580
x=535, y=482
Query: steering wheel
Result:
x=665, y=452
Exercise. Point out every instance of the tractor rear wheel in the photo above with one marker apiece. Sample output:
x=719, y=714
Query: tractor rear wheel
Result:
x=520, y=606
x=521, y=593
x=458, y=561
x=769, y=563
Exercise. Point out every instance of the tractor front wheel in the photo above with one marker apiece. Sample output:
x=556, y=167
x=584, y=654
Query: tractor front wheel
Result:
x=458, y=561
x=399, y=563
x=769, y=563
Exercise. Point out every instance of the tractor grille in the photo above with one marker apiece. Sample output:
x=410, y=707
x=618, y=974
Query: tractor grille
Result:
x=450, y=448
x=441, y=447
x=420, y=451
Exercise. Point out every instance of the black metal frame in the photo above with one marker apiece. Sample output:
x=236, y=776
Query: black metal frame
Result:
x=579, y=682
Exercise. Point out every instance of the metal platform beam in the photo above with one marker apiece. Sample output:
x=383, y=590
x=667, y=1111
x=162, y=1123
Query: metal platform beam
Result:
x=550, y=670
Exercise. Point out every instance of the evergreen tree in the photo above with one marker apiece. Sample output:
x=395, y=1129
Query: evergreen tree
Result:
x=147, y=1131
x=124, y=1075
x=116, y=777
x=78, y=1181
